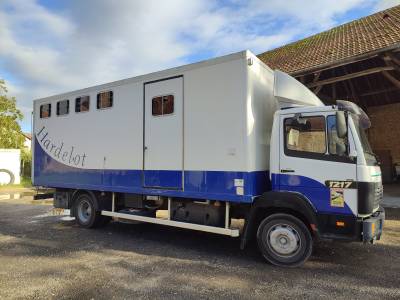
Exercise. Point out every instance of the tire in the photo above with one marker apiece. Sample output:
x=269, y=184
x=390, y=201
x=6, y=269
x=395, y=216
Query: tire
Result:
x=9, y=173
x=284, y=240
x=86, y=214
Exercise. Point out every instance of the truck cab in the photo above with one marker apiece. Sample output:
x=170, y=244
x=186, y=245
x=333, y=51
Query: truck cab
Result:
x=320, y=155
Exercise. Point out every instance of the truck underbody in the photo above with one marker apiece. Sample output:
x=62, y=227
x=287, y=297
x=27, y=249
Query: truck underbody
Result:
x=93, y=209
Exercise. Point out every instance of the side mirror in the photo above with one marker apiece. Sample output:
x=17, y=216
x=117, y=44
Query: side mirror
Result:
x=341, y=124
x=340, y=149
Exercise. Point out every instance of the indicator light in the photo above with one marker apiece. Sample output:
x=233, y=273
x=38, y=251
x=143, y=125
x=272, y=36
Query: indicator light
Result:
x=340, y=224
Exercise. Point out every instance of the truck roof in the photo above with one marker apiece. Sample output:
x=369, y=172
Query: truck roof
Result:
x=160, y=74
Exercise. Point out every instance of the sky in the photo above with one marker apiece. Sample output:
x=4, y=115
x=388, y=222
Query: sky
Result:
x=49, y=47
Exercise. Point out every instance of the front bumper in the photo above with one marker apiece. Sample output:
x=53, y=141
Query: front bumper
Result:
x=372, y=226
x=352, y=228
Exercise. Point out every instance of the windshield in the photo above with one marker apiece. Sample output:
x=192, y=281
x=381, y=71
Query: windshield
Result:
x=360, y=127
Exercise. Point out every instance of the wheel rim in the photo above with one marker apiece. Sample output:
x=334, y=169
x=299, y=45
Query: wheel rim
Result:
x=283, y=240
x=84, y=211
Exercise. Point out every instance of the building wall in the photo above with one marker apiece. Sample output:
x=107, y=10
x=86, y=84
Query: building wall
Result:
x=27, y=143
x=384, y=133
x=10, y=160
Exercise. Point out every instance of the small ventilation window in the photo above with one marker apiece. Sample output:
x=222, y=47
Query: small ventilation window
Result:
x=82, y=104
x=45, y=111
x=162, y=105
x=104, y=100
x=62, y=107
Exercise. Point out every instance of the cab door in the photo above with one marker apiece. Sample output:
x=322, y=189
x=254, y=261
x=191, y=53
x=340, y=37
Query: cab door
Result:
x=314, y=161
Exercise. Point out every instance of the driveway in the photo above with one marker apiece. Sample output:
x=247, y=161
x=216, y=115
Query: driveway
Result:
x=45, y=255
x=391, y=195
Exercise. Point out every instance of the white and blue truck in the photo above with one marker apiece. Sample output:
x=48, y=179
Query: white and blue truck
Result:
x=201, y=145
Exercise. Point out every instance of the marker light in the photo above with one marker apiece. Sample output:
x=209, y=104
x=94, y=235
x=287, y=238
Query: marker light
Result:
x=340, y=224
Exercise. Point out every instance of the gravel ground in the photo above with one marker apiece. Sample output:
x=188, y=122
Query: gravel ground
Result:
x=44, y=255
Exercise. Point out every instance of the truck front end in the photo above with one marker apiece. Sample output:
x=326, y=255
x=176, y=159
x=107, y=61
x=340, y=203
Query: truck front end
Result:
x=370, y=214
x=327, y=159
x=323, y=174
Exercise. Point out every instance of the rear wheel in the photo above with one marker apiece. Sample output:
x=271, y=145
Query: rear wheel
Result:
x=284, y=240
x=86, y=214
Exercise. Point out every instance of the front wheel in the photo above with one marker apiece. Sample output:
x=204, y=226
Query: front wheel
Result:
x=284, y=240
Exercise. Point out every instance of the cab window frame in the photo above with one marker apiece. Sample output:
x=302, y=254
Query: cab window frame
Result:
x=299, y=153
x=314, y=155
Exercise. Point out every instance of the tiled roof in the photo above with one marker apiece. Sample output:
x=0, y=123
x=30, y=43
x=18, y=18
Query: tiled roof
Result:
x=378, y=31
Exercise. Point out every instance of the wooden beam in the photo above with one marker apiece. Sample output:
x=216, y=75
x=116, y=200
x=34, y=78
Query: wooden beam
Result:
x=391, y=61
x=326, y=96
x=318, y=89
x=315, y=79
x=316, y=76
x=349, y=84
x=393, y=58
x=349, y=76
x=377, y=92
x=334, y=91
x=391, y=78
x=354, y=93
x=333, y=86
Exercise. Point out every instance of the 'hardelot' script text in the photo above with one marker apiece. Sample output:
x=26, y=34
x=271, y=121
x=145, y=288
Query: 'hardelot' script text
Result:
x=57, y=150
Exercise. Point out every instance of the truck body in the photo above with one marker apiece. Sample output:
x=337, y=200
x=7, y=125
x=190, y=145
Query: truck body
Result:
x=223, y=139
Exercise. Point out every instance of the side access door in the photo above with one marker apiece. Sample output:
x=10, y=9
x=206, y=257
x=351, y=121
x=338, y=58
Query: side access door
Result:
x=314, y=161
x=163, y=134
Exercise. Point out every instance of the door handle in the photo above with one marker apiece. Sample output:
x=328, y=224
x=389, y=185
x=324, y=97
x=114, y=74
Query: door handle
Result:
x=145, y=148
x=287, y=171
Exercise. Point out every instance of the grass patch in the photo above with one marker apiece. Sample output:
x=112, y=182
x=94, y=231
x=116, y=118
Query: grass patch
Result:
x=25, y=183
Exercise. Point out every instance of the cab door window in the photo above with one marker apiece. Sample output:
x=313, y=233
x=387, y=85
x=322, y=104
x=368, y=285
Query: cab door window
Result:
x=305, y=136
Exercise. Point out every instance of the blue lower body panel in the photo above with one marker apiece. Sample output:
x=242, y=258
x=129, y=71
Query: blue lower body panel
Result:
x=212, y=185
x=317, y=193
x=163, y=179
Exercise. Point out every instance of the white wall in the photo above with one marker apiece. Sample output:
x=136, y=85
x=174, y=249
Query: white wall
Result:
x=10, y=159
x=27, y=143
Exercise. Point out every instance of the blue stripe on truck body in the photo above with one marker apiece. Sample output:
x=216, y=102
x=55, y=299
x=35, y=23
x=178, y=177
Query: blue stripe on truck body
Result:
x=213, y=185
x=317, y=193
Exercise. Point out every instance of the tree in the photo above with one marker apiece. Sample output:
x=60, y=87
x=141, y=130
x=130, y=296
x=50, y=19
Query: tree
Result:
x=10, y=131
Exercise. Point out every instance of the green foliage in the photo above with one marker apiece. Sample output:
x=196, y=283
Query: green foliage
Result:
x=25, y=183
x=10, y=131
x=26, y=162
x=26, y=155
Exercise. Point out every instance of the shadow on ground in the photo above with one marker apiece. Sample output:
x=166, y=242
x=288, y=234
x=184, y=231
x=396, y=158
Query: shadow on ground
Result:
x=51, y=257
